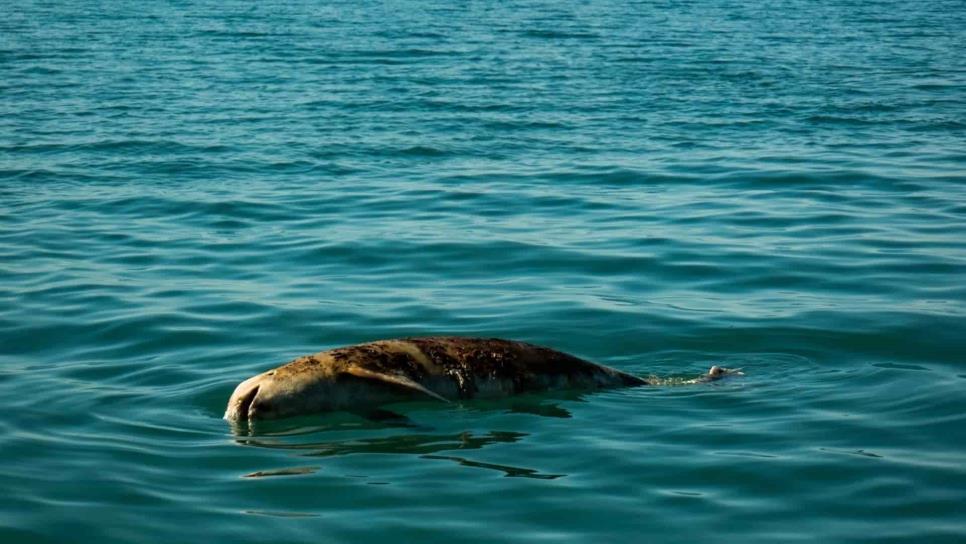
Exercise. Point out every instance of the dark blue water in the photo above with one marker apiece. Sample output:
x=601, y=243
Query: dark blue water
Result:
x=194, y=192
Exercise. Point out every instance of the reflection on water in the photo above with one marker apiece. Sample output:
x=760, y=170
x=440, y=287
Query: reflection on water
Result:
x=293, y=471
x=533, y=404
x=513, y=472
x=546, y=410
x=419, y=442
x=424, y=445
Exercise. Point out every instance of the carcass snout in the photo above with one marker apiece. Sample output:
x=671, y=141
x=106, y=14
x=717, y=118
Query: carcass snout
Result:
x=241, y=405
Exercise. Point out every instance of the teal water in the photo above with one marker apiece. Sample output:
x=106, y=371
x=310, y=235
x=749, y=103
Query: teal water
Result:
x=194, y=192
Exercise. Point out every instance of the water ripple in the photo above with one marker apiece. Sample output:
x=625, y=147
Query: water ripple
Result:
x=190, y=196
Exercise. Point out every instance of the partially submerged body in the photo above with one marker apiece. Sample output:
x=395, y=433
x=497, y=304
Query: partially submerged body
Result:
x=365, y=376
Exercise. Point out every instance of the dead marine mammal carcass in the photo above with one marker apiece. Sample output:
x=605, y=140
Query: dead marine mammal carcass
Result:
x=445, y=368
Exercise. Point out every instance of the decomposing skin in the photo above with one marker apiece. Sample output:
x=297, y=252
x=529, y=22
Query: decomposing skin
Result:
x=365, y=376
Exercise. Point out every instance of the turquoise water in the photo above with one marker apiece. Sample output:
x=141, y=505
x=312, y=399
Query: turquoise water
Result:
x=191, y=193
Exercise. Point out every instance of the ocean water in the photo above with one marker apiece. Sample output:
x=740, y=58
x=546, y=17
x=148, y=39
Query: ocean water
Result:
x=194, y=192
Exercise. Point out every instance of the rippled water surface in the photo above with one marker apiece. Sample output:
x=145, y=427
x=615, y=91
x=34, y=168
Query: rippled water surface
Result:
x=193, y=192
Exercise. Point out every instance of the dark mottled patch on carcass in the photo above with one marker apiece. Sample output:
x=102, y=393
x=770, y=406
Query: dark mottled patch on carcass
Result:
x=463, y=376
x=379, y=359
x=470, y=360
x=493, y=359
x=340, y=354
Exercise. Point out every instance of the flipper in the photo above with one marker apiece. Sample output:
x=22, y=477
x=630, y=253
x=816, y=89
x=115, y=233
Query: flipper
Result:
x=392, y=379
x=716, y=373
